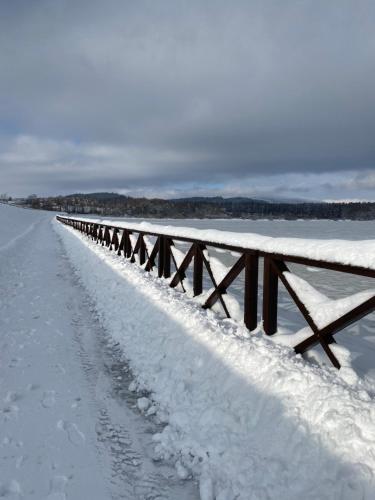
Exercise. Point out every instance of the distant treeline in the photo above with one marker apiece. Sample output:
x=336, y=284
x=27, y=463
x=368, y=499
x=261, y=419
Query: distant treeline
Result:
x=116, y=205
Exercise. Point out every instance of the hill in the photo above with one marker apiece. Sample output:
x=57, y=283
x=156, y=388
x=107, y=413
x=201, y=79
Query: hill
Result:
x=117, y=205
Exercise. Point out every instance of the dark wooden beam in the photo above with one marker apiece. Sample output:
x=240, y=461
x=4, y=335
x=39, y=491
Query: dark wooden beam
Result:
x=270, y=293
x=151, y=260
x=251, y=291
x=180, y=273
x=161, y=256
x=225, y=282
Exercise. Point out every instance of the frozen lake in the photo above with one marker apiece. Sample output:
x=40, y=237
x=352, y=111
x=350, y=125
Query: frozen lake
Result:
x=326, y=229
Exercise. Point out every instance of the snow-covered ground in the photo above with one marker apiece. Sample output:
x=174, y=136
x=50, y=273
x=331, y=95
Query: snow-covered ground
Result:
x=113, y=385
x=244, y=415
x=69, y=426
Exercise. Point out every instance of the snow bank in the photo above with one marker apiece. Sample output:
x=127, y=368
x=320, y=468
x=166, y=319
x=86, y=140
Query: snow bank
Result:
x=246, y=416
x=355, y=253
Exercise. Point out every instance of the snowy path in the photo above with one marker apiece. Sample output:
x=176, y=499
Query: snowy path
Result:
x=245, y=416
x=69, y=428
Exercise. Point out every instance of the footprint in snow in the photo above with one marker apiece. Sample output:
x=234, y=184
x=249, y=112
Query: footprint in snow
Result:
x=20, y=461
x=12, y=396
x=57, y=488
x=33, y=387
x=14, y=362
x=9, y=412
x=60, y=367
x=48, y=399
x=10, y=489
x=9, y=441
x=75, y=436
x=76, y=403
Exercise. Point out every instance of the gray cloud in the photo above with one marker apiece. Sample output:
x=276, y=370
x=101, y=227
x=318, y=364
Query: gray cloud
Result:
x=364, y=180
x=122, y=94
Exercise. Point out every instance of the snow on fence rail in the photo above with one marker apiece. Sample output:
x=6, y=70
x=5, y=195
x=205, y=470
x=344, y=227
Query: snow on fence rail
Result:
x=131, y=241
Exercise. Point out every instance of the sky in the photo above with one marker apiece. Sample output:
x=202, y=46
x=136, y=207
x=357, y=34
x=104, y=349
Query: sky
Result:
x=173, y=98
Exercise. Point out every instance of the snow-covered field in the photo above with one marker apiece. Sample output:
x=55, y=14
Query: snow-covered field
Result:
x=238, y=412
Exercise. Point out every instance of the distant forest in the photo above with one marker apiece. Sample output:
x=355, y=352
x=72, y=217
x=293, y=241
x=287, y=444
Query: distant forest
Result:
x=116, y=205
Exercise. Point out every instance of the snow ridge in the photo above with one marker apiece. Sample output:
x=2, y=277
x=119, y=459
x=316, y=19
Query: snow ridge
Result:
x=246, y=416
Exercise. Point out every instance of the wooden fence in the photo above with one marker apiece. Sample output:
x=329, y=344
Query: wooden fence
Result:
x=275, y=265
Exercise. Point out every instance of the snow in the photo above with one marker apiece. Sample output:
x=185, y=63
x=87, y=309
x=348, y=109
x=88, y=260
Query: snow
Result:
x=322, y=309
x=23, y=223
x=43, y=444
x=69, y=428
x=355, y=253
x=181, y=471
x=143, y=404
x=244, y=415
x=113, y=385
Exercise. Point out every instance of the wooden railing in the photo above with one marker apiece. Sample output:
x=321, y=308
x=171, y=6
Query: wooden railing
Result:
x=161, y=256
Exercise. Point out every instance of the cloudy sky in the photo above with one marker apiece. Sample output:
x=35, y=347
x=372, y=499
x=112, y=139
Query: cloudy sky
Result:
x=172, y=98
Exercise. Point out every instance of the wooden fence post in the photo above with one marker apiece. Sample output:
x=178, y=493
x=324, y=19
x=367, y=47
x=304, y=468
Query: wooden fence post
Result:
x=161, y=256
x=251, y=291
x=270, y=293
x=142, y=250
x=198, y=271
x=167, y=258
x=128, y=245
